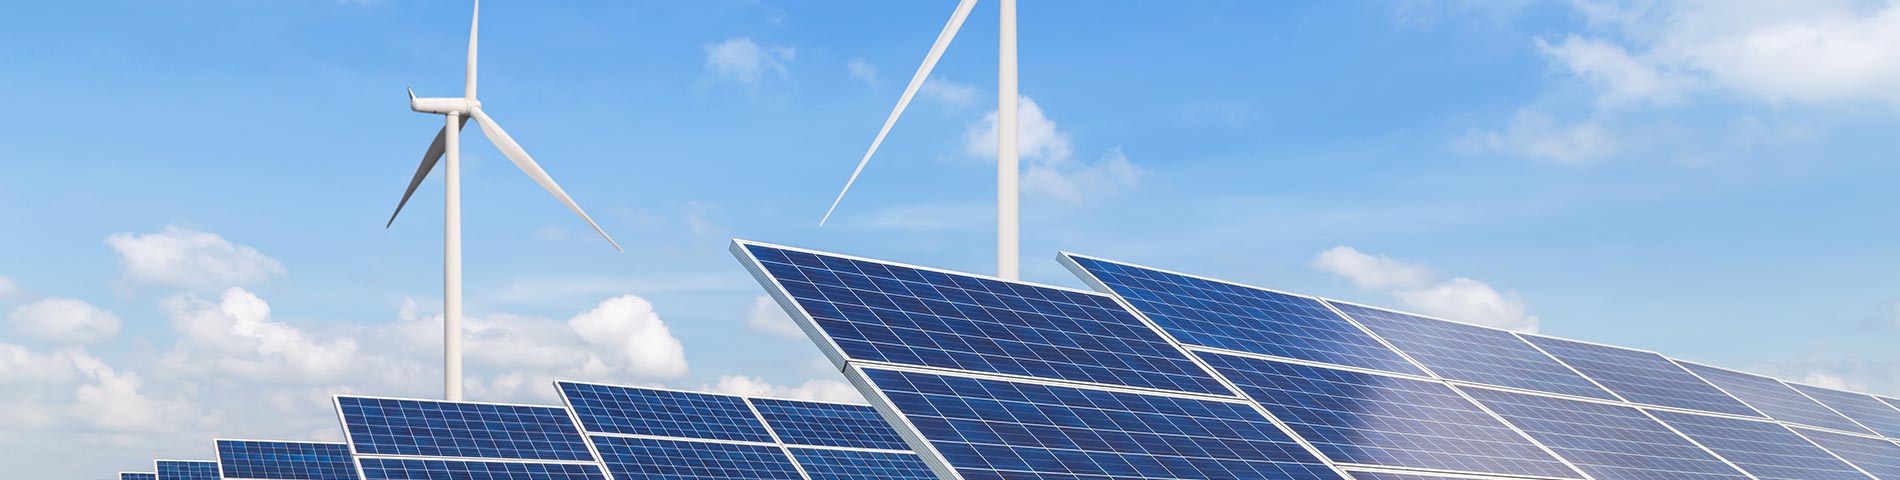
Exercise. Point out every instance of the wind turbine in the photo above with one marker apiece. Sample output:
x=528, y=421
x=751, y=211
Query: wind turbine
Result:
x=1007, y=220
x=447, y=145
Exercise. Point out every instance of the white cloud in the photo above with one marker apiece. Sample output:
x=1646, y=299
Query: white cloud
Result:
x=621, y=339
x=64, y=320
x=237, y=336
x=8, y=289
x=69, y=388
x=1831, y=380
x=742, y=59
x=1049, y=167
x=627, y=331
x=814, y=390
x=766, y=316
x=1609, y=68
x=950, y=94
x=1535, y=135
x=862, y=71
x=188, y=258
x=1417, y=288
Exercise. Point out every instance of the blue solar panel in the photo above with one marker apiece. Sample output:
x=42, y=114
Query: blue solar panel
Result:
x=829, y=424
x=1606, y=441
x=1774, y=398
x=411, y=469
x=1641, y=377
x=186, y=470
x=989, y=429
x=655, y=459
x=137, y=476
x=1370, y=419
x=1368, y=475
x=1474, y=354
x=1870, y=412
x=663, y=413
x=1875, y=456
x=285, y=460
x=1242, y=318
x=1764, y=449
x=883, y=312
x=450, y=429
x=833, y=464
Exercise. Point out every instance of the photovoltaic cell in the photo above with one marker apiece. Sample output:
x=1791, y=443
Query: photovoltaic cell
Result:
x=1606, y=441
x=1870, y=412
x=1242, y=318
x=1367, y=475
x=1641, y=377
x=137, y=476
x=261, y=460
x=1370, y=419
x=831, y=464
x=828, y=424
x=662, y=413
x=1471, y=353
x=883, y=312
x=186, y=470
x=989, y=430
x=1764, y=449
x=413, y=469
x=655, y=459
x=1774, y=398
x=1878, y=457
x=453, y=429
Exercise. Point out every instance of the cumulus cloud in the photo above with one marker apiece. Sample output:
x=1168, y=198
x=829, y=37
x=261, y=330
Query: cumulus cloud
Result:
x=621, y=339
x=1832, y=380
x=814, y=390
x=741, y=59
x=862, y=71
x=63, y=320
x=765, y=315
x=1419, y=289
x=1608, y=67
x=69, y=388
x=1049, y=167
x=1535, y=135
x=183, y=257
x=237, y=336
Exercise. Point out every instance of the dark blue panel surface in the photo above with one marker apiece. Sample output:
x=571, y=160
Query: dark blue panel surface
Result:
x=1774, y=398
x=406, y=469
x=285, y=460
x=469, y=430
x=990, y=430
x=1878, y=457
x=827, y=464
x=1642, y=377
x=883, y=312
x=184, y=470
x=1364, y=475
x=829, y=424
x=1606, y=441
x=1472, y=353
x=653, y=459
x=1369, y=419
x=137, y=476
x=1764, y=449
x=1247, y=319
x=663, y=413
x=1870, y=412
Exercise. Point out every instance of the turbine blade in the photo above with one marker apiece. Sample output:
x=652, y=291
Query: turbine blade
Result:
x=473, y=24
x=916, y=81
x=515, y=154
x=429, y=158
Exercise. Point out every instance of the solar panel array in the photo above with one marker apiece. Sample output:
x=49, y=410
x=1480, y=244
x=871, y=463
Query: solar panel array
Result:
x=137, y=476
x=400, y=439
x=268, y=460
x=185, y=470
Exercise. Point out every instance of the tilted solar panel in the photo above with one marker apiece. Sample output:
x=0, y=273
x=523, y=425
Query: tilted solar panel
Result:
x=1606, y=441
x=268, y=460
x=1864, y=409
x=422, y=469
x=1382, y=475
x=1764, y=449
x=1472, y=353
x=1774, y=398
x=186, y=470
x=839, y=464
x=1877, y=457
x=663, y=413
x=380, y=426
x=137, y=476
x=828, y=424
x=1236, y=317
x=1370, y=419
x=1641, y=377
x=657, y=459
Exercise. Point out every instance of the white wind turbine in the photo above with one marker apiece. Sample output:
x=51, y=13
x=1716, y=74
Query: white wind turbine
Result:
x=1006, y=171
x=447, y=145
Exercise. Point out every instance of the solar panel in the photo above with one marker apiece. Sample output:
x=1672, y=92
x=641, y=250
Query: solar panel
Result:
x=1235, y=317
x=380, y=426
x=881, y=312
x=1774, y=398
x=423, y=469
x=1380, y=475
x=1877, y=457
x=657, y=459
x=186, y=470
x=137, y=476
x=839, y=464
x=1864, y=409
x=1472, y=353
x=1606, y=441
x=1370, y=419
x=663, y=413
x=828, y=424
x=1641, y=377
x=1764, y=449
x=266, y=460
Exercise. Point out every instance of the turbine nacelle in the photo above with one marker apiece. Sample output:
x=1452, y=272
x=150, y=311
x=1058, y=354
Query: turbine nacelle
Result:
x=442, y=105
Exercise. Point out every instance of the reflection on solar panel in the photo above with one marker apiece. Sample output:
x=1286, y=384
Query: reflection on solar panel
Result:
x=137, y=476
x=836, y=464
x=1606, y=441
x=186, y=470
x=1472, y=353
x=828, y=424
x=1774, y=398
x=1764, y=449
x=657, y=459
x=415, y=469
x=1236, y=317
x=1864, y=409
x=1641, y=377
x=1370, y=419
x=1875, y=456
x=1381, y=475
x=663, y=413
x=262, y=460
x=465, y=440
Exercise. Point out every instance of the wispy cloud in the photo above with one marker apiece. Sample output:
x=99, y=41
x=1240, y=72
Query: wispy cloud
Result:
x=741, y=59
x=1417, y=287
x=862, y=71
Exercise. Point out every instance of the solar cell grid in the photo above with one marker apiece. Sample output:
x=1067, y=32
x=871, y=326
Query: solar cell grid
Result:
x=833, y=464
x=137, y=476
x=890, y=313
x=1875, y=456
x=1774, y=398
x=1241, y=318
x=1471, y=353
x=1864, y=409
x=656, y=459
x=1641, y=377
x=262, y=460
x=1370, y=475
x=1369, y=419
x=186, y=470
x=828, y=424
x=1763, y=449
x=379, y=426
x=664, y=413
x=414, y=469
x=1606, y=441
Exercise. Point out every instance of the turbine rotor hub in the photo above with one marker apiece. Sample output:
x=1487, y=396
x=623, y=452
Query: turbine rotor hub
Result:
x=443, y=105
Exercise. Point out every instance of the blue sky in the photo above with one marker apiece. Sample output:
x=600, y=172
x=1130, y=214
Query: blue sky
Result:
x=195, y=247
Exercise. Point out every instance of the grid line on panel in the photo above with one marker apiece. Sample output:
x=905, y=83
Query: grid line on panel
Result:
x=377, y=426
x=137, y=476
x=1607, y=441
x=432, y=469
x=1230, y=316
x=889, y=313
x=1877, y=457
x=1763, y=449
x=1472, y=353
x=1370, y=419
x=1641, y=377
x=185, y=470
x=659, y=459
x=828, y=424
x=1776, y=399
x=267, y=460
x=1863, y=409
x=833, y=464
x=663, y=413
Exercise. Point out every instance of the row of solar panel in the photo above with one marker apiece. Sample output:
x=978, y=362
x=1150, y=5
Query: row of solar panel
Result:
x=1198, y=378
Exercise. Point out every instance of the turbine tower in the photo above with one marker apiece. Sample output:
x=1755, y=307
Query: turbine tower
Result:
x=447, y=142
x=1007, y=220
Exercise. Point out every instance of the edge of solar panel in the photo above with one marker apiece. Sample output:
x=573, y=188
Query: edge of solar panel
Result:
x=579, y=423
x=218, y=451
x=1529, y=337
x=217, y=473
x=124, y=475
x=1888, y=427
x=1691, y=366
x=1518, y=336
